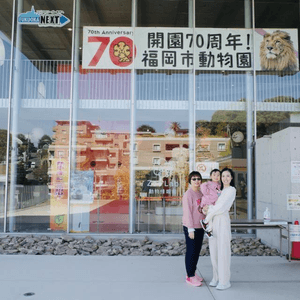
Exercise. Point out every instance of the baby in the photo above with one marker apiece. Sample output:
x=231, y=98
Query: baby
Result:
x=211, y=192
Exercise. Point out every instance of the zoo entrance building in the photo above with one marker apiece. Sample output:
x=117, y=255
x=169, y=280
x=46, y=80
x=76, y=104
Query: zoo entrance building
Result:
x=106, y=106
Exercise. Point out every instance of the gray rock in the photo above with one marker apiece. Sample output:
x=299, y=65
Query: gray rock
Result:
x=44, y=238
x=49, y=249
x=239, y=241
x=23, y=250
x=32, y=252
x=67, y=238
x=5, y=241
x=87, y=249
x=71, y=252
x=84, y=252
x=102, y=250
x=11, y=251
x=108, y=243
x=29, y=240
x=125, y=252
x=136, y=253
x=42, y=243
x=136, y=244
x=236, y=250
x=57, y=241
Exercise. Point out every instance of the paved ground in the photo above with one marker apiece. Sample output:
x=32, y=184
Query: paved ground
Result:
x=142, y=278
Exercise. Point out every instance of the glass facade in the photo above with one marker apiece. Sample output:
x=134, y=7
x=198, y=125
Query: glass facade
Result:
x=106, y=108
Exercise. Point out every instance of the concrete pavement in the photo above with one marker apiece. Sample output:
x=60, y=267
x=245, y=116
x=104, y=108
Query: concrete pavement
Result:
x=142, y=278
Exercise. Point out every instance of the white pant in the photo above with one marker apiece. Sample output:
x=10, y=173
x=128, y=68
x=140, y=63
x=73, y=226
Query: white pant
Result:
x=219, y=247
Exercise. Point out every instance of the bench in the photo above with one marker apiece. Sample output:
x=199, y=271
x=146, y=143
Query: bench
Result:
x=259, y=224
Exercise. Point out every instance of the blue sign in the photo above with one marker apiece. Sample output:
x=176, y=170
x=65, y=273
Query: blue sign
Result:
x=30, y=17
x=44, y=18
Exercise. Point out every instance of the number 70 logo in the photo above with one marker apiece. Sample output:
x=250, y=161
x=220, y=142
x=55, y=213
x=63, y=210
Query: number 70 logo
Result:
x=120, y=51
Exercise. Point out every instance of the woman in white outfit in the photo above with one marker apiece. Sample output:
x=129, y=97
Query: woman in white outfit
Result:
x=219, y=243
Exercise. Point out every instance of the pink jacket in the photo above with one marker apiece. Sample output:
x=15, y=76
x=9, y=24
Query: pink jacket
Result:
x=190, y=203
x=211, y=192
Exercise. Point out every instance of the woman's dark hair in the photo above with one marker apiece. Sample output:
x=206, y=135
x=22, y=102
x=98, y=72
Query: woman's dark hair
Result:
x=214, y=170
x=232, y=175
x=194, y=173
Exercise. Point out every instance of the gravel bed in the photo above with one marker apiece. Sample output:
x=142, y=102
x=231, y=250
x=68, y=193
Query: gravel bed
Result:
x=68, y=245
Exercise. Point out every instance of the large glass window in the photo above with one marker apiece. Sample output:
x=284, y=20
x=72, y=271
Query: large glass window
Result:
x=183, y=105
x=100, y=178
x=100, y=159
x=105, y=13
x=38, y=195
x=162, y=156
x=222, y=94
x=5, y=47
x=167, y=13
x=220, y=13
x=221, y=142
x=278, y=14
x=221, y=134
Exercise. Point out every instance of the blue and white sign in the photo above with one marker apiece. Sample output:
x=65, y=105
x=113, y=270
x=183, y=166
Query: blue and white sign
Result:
x=44, y=18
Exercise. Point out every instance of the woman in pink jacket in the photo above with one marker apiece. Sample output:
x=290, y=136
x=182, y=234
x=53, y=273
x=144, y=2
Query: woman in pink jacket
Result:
x=192, y=228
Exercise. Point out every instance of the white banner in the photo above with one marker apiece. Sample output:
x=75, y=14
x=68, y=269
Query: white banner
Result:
x=295, y=233
x=183, y=49
x=293, y=202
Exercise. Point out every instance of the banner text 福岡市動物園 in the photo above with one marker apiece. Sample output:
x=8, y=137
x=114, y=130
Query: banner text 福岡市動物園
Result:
x=184, y=49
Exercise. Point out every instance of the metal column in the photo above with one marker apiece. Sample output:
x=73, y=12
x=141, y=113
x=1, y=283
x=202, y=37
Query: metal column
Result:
x=249, y=124
x=191, y=98
x=254, y=113
x=73, y=99
x=132, y=202
x=9, y=113
x=15, y=104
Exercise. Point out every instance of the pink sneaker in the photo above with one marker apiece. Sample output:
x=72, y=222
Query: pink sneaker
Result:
x=193, y=281
x=198, y=277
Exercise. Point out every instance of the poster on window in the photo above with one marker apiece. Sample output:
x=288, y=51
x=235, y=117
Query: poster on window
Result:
x=82, y=186
x=293, y=202
x=59, y=194
x=184, y=48
x=205, y=168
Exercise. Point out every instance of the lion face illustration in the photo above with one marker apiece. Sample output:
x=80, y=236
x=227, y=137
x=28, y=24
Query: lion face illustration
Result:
x=277, y=52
